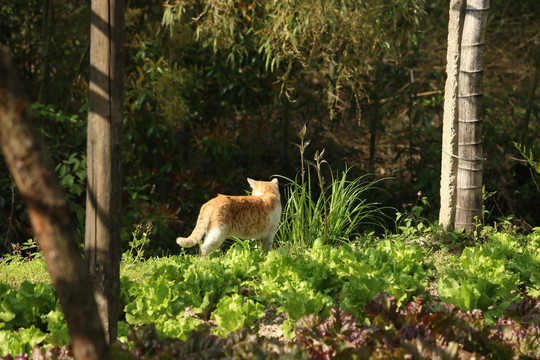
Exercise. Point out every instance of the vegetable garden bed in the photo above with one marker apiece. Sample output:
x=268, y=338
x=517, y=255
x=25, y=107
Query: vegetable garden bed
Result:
x=352, y=301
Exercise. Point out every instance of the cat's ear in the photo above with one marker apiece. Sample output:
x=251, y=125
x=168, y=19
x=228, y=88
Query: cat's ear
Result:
x=251, y=183
x=274, y=181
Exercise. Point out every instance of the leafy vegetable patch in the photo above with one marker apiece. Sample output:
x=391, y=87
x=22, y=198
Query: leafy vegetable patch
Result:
x=418, y=330
x=350, y=301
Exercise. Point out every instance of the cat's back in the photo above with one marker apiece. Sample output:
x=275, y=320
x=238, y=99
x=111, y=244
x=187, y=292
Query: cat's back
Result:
x=232, y=203
x=243, y=216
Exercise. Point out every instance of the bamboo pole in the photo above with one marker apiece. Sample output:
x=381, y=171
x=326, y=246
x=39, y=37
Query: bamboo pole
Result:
x=470, y=116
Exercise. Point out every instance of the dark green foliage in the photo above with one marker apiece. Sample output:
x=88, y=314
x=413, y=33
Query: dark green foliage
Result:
x=65, y=136
x=205, y=102
x=50, y=48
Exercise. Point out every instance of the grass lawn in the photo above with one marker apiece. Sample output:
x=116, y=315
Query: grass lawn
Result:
x=13, y=273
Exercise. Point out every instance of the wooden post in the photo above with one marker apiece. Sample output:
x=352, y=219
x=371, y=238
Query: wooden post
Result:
x=470, y=115
x=104, y=151
x=48, y=210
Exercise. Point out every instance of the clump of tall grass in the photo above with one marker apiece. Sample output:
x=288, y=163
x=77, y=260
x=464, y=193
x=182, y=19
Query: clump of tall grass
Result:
x=331, y=213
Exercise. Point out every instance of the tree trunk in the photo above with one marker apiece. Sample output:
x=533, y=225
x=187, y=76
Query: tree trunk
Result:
x=470, y=116
x=104, y=151
x=48, y=210
x=450, y=123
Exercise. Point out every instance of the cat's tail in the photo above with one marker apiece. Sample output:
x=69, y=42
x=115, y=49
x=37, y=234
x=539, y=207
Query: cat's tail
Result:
x=200, y=229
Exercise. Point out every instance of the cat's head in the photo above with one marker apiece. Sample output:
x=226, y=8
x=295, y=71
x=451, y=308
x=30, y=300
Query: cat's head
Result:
x=261, y=187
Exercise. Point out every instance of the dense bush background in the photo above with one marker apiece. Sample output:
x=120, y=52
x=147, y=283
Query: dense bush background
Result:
x=207, y=106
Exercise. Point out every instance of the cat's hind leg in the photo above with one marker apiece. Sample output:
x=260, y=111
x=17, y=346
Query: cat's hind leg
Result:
x=213, y=240
x=267, y=242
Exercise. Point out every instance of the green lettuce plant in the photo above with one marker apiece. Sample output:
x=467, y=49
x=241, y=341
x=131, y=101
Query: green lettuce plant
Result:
x=479, y=281
x=236, y=312
x=20, y=341
x=153, y=301
x=57, y=331
x=178, y=328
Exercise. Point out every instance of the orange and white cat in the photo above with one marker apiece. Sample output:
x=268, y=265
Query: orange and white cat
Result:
x=246, y=217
